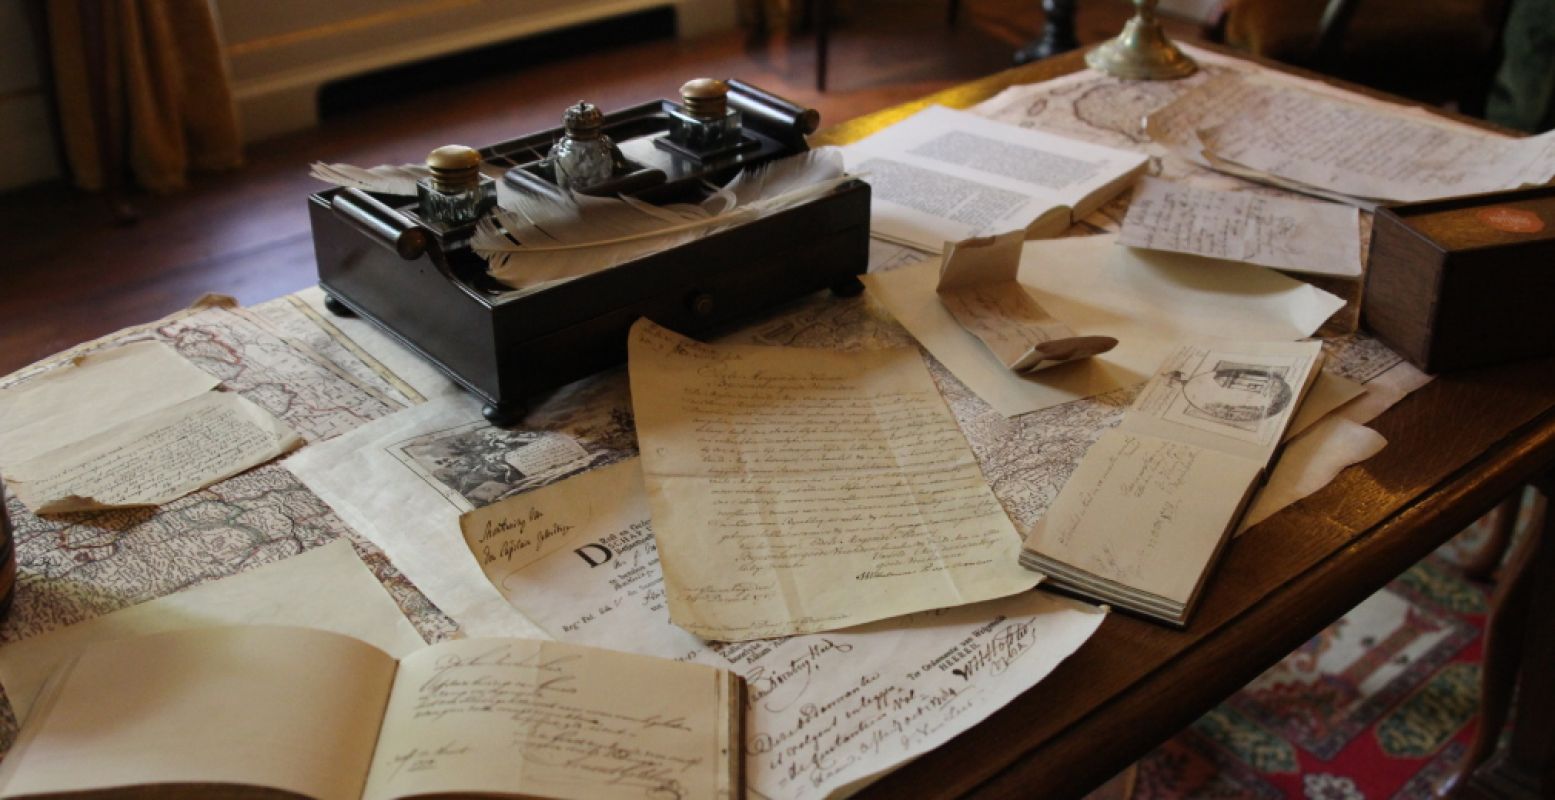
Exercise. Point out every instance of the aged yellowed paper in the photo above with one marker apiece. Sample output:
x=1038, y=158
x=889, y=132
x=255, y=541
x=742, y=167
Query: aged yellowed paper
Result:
x=578, y=558
x=511, y=717
x=977, y=284
x=799, y=490
x=93, y=393
x=327, y=587
x=154, y=458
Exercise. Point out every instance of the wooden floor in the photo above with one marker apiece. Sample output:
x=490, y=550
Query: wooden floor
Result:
x=71, y=273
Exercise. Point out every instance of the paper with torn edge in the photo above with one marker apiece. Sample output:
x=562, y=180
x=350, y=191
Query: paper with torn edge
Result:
x=798, y=490
x=977, y=285
x=93, y=393
x=155, y=458
x=327, y=587
x=1150, y=301
x=578, y=557
x=1296, y=235
x=943, y=175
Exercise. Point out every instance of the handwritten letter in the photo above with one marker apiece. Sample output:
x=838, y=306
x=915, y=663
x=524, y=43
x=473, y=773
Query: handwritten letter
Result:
x=1298, y=235
x=156, y=458
x=545, y=719
x=795, y=490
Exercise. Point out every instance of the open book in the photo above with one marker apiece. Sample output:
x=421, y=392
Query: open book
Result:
x=943, y=175
x=1143, y=519
x=285, y=712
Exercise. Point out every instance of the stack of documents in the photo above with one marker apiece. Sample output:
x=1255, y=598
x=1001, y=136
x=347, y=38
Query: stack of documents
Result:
x=1325, y=145
x=1144, y=518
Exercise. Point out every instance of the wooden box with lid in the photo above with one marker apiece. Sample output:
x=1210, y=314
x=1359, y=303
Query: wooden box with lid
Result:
x=1466, y=281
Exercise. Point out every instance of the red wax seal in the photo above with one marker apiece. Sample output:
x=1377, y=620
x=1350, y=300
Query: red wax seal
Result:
x=1510, y=220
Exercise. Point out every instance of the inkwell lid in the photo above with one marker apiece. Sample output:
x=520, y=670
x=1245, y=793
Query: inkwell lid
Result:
x=583, y=121
x=705, y=98
x=455, y=168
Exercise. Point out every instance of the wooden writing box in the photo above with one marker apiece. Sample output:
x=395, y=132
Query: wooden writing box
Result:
x=1466, y=281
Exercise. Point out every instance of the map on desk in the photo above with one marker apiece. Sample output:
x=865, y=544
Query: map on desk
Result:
x=76, y=567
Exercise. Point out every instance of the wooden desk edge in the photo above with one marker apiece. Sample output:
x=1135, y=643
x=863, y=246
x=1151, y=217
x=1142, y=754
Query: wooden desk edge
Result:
x=1071, y=760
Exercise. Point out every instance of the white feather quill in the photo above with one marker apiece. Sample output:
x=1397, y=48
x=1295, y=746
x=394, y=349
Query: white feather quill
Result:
x=540, y=241
x=385, y=179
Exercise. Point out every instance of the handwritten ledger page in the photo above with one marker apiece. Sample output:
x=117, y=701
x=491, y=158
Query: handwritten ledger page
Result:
x=977, y=285
x=1297, y=235
x=824, y=711
x=1142, y=520
x=327, y=716
x=799, y=490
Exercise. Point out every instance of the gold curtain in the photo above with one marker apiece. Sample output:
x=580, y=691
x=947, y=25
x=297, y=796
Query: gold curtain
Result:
x=141, y=84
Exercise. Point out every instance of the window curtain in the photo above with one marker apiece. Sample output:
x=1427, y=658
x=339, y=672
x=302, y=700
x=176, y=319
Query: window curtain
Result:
x=142, y=88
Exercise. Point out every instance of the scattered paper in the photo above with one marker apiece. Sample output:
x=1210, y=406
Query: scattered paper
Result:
x=797, y=490
x=1309, y=462
x=943, y=176
x=1297, y=235
x=93, y=393
x=825, y=711
x=977, y=285
x=402, y=482
x=1361, y=153
x=154, y=459
x=1150, y=301
x=327, y=587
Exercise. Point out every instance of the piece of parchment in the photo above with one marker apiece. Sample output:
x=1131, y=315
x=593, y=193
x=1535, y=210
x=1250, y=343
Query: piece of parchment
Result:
x=154, y=458
x=93, y=393
x=797, y=490
x=327, y=588
x=1285, y=233
x=977, y=284
x=1149, y=301
x=578, y=557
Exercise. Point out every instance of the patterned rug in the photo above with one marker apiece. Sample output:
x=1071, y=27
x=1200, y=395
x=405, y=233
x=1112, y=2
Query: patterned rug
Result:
x=1381, y=704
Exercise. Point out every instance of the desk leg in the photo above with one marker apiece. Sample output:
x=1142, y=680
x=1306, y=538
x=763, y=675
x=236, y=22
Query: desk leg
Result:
x=1520, y=651
x=1058, y=33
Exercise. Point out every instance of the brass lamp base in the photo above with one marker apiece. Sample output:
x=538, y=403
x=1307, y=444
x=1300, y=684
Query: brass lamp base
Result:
x=1141, y=52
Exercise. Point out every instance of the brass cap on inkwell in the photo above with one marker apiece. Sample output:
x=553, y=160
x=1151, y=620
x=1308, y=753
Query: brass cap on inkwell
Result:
x=583, y=121
x=705, y=98
x=455, y=168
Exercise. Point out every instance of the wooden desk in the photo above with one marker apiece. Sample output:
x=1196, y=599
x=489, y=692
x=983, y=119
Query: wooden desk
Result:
x=1455, y=448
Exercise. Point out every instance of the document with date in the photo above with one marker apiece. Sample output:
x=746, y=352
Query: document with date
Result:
x=797, y=490
x=825, y=712
x=1143, y=519
x=317, y=714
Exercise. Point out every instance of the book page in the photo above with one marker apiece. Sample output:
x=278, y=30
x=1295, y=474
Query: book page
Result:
x=1149, y=301
x=327, y=587
x=1147, y=514
x=977, y=285
x=93, y=393
x=798, y=490
x=1298, y=235
x=524, y=718
x=286, y=708
x=824, y=710
x=154, y=458
x=1236, y=397
x=943, y=175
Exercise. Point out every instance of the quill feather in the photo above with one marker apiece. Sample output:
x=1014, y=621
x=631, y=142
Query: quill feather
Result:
x=540, y=241
x=385, y=179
